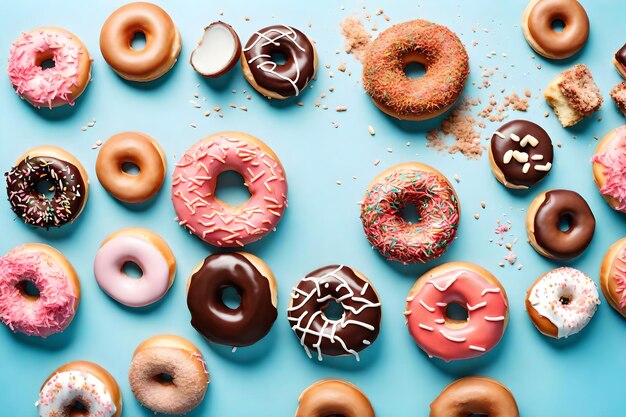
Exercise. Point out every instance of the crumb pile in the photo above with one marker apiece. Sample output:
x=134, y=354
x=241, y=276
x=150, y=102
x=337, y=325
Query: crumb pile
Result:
x=357, y=38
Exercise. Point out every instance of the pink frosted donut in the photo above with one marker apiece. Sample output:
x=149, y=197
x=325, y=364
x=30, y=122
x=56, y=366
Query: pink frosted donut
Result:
x=48, y=312
x=149, y=252
x=474, y=289
x=214, y=221
x=52, y=87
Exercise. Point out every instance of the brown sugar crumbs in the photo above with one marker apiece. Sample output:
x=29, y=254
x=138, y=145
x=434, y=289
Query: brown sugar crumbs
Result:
x=357, y=38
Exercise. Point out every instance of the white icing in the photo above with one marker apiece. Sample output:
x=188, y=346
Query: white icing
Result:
x=215, y=51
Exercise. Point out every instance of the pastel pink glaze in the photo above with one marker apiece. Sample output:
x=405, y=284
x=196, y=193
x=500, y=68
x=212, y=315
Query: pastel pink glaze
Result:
x=53, y=311
x=39, y=86
x=132, y=292
x=214, y=221
x=487, y=310
x=613, y=157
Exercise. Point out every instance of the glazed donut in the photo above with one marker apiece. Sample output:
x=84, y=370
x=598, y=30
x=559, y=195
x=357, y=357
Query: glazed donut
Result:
x=437, y=48
x=561, y=302
x=255, y=284
x=53, y=308
x=474, y=395
x=537, y=23
x=473, y=288
x=67, y=178
x=80, y=388
x=545, y=213
x=359, y=324
x=520, y=154
x=215, y=221
x=157, y=57
x=438, y=205
x=138, y=149
x=620, y=61
x=275, y=80
x=149, y=252
x=613, y=276
x=609, y=168
x=333, y=397
x=168, y=375
x=52, y=87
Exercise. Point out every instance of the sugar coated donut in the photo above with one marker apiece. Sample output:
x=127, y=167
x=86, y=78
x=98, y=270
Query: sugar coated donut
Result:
x=543, y=224
x=561, y=302
x=215, y=221
x=437, y=48
x=620, y=61
x=330, y=397
x=80, y=388
x=149, y=252
x=138, y=149
x=474, y=395
x=613, y=276
x=477, y=291
x=437, y=203
x=67, y=178
x=49, y=309
x=609, y=168
x=272, y=79
x=168, y=375
x=53, y=86
x=359, y=324
x=163, y=42
x=254, y=282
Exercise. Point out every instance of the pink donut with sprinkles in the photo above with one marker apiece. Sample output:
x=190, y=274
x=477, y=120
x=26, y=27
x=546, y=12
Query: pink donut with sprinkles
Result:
x=472, y=288
x=215, y=221
x=436, y=201
x=51, y=86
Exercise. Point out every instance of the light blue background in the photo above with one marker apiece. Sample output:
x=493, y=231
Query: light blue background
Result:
x=579, y=376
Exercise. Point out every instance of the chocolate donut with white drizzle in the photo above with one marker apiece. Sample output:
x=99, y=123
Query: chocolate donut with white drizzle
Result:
x=272, y=79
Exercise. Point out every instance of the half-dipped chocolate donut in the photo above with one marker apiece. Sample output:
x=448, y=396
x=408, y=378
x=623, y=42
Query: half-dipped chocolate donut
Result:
x=256, y=286
x=520, y=154
x=543, y=220
x=620, y=61
x=279, y=80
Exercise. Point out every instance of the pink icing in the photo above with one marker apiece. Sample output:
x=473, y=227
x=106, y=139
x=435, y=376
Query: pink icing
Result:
x=620, y=276
x=214, y=221
x=53, y=311
x=133, y=292
x=613, y=157
x=487, y=310
x=50, y=86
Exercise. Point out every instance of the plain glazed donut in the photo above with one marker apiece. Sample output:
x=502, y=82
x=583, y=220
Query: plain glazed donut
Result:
x=138, y=149
x=333, y=397
x=359, y=324
x=256, y=286
x=436, y=47
x=68, y=180
x=609, y=168
x=215, y=221
x=438, y=205
x=80, y=388
x=545, y=213
x=474, y=395
x=613, y=276
x=163, y=42
x=562, y=302
x=149, y=252
x=52, y=87
x=53, y=309
x=168, y=375
x=473, y=288
x=537, y=26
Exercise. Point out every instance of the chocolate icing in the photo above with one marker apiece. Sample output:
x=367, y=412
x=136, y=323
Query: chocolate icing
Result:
x=34, y=208
x=359, y=325
x=513, y=171
x=242, y=326
x=571, y=243
x=287, y=79
x=620, y=56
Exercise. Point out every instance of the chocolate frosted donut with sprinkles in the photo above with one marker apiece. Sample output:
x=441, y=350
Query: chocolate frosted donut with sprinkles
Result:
x=274, y=79
x=359, y=323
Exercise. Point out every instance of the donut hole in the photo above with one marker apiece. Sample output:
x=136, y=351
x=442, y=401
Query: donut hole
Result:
x=164, y=378
x=45, y=189
x=47, y=63
x=28, y=289
x=130, y=168
x=558, y=25
x=231, y=188
x=132, y=270
x=457, y=315
x=138, y=41
x=410, y=213
x=77, y=408
x=414, y=69
x=565, y=223
x=333, y=310
x=230, y=297
x=279, y=58
x=565, y=299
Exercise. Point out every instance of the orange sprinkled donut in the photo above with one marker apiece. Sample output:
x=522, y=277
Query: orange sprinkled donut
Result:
x=432, y=45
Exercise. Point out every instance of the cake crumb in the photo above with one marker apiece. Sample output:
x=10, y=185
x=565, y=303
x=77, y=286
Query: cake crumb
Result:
x=356, y=37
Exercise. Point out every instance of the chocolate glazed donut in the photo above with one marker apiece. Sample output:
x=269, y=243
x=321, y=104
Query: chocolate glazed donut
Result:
x=241, y=326
x=620, y=56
